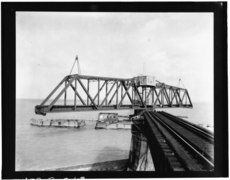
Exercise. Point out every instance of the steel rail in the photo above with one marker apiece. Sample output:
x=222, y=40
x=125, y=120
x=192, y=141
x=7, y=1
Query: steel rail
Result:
x=177, y=118
x=197, y=130
x=185, y=142
x=158, y=150
x=185, y=136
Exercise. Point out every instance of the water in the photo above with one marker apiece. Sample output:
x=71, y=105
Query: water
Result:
x=41, y=148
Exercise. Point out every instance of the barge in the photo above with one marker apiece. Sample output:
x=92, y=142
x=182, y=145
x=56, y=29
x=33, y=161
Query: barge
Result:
x=65, y=123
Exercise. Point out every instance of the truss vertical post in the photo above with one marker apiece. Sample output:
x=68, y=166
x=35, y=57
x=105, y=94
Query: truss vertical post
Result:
x=65, y=94
x=122, y=90
x=134, y=94
x=172, y=95
x=75, y=98
x=162, y=96
x=143, y=94
x=186, y=100
x=98, y=98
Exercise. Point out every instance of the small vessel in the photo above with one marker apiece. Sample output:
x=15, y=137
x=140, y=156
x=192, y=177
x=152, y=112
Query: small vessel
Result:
x=112, y=121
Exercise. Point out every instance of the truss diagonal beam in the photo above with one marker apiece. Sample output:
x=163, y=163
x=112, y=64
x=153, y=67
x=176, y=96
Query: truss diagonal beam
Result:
x=186, y=95
x=166, y=96
x=179, y=96
x=138, y=93
x=122, y=98
x=106, y=96
x=55, y=89
x=82, y=85
x=174, y=96
x=130, y=97
x=157, y=97
x=59, y=95
x=190, y=102
x=78, y=95
x=99, y=90
x=149, y=93
x=116, y=91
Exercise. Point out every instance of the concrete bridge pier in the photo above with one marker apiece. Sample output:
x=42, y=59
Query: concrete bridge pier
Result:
x=140, y=158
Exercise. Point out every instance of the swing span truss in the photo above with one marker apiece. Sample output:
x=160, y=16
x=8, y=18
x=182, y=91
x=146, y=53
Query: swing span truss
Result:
x=105, y=93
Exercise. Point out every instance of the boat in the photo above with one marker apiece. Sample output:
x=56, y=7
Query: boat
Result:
x=112, y=121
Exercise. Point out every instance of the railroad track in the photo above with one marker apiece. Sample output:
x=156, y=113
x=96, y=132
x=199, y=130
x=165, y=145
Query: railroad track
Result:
x=192, y=146
x=205, y=133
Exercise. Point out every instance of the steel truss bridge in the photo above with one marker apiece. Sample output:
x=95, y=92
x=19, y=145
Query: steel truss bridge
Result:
x=85, y=93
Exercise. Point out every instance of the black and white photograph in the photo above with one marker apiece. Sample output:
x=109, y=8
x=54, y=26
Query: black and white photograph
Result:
x=114, y=91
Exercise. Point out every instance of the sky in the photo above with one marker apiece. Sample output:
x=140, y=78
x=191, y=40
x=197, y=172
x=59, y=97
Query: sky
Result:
x=169, y=46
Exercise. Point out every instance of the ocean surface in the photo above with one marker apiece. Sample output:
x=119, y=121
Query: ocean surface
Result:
x=42, y=148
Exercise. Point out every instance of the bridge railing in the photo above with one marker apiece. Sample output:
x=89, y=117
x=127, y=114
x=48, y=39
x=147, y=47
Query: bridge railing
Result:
x=84, y=93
